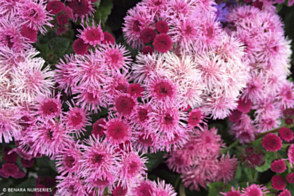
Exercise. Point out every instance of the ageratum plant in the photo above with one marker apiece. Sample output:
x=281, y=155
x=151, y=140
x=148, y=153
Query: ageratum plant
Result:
x=146, y=98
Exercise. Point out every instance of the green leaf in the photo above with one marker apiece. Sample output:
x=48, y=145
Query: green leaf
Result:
x=251, y=174
x=154, y=160
x=238, y=172
x=103, y=11
x=269, y=157
x=279, y=7
x=215, y=188
x=59, y=45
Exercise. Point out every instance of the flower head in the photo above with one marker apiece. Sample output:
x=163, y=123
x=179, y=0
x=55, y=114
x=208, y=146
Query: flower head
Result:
x=92, y=35
x=117, y=131
x=290, y=178
x=278, y=182
x=278, y=166
x=162, y=43
x=271, y=142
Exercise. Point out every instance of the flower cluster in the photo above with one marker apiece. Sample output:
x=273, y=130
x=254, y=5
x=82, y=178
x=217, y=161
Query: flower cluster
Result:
x=200, y=162
x=268, y=53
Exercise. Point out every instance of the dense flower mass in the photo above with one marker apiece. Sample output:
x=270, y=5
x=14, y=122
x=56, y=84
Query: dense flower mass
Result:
x=104, y=113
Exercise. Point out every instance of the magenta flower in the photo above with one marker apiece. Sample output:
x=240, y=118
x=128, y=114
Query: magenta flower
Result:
x=108, y=38
x=286, y=134
x=278, y=166
x=80, y=47
x=162, y=27
x=10, y=169
x=271, y=142
x=162, y=43
x=117, y=131
x=81, y=9
x=55, y=7
x=278, y=182
x=98, y=129
x=290, y=178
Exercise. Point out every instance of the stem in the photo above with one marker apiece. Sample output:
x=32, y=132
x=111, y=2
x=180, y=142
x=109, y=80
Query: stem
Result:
x=272, y=131
x=177, y=181
x=182, y=190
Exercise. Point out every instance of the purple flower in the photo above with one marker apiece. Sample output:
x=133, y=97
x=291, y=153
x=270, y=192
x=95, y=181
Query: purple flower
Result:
x=221, y=12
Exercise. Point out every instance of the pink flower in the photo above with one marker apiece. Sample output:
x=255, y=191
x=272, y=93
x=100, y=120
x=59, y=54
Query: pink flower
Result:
x=285, y=192
x=99, y=161
x=271, y=142
x=76, y=119
x=34, y=14
x=27, y=163
x=70, y=185
x=10, y=169
x=10, y=156
x=135, y=90
x=208, y=142
x=255, y=190
x=136, y=20
x=144, y=188
x=55, y=7
x=91, y=98
x=116, y=57
x=69, y=12
x=286, y=94
x=133, y=168
x=162, y=43
x=80, y=47
x=124, y=104
x=68, y=160
x=278, y=166
x=195, y=117
x=178, y=161
x=62, y=19
x=290, y=178
x=162, y=27
x=147, y=50
x=244, y=105
x=147, y=35
x=99, y=128
x=164, y=189
x=48, y=138
x=227, y=168
x=290, y=154
x=278, y=182
x=92, y=35
x=167, y=122
x=81, y=9
x=108, y=38
x=120, y=191
x=233, y=192
x=145, y=141
x=49, y=106
x=117, y=131
x=235, y=116
x=29, y=33
x=286, y=134
x=161, y=89
x=65, y=73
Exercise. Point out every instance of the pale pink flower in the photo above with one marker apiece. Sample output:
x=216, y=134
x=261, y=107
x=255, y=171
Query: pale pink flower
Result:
x=35, y=15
